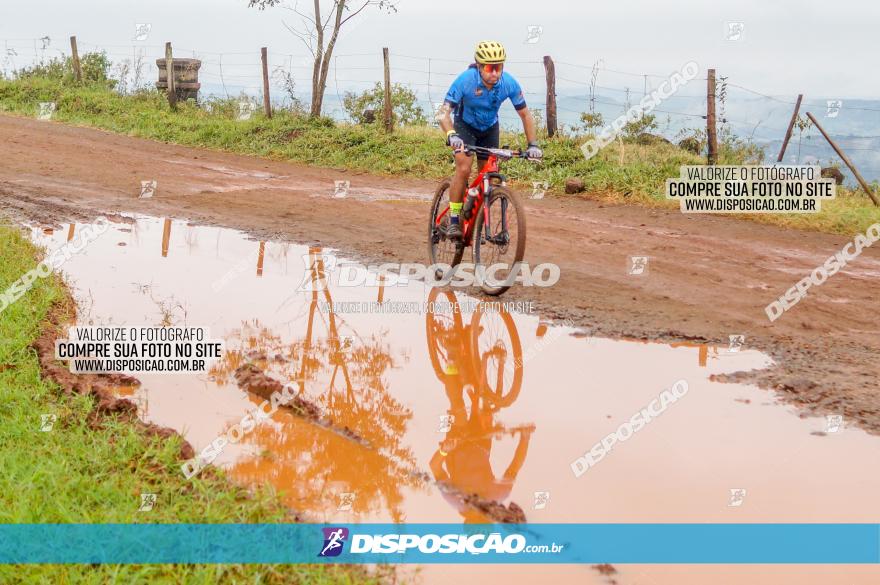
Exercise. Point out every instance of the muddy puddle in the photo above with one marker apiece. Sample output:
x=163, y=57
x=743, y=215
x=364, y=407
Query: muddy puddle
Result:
x=425, y=413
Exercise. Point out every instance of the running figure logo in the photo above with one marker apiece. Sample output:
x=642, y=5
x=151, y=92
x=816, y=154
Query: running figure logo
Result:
x=334, y=540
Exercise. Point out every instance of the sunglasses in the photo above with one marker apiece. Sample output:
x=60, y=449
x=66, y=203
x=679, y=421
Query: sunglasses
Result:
x=493, y=67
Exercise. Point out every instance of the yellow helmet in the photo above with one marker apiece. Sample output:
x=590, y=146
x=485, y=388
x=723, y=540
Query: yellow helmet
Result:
x=490, y=52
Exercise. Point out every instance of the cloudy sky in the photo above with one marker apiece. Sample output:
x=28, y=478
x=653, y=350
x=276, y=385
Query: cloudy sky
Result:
x=823, y=49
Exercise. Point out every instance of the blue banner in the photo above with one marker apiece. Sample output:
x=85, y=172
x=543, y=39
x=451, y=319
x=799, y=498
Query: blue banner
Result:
x=441, y=543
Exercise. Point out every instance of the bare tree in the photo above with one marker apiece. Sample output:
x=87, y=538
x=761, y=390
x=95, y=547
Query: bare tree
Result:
x=319, y=34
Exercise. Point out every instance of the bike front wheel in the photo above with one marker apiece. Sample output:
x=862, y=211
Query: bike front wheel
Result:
x=499, y=240
x=498, y=356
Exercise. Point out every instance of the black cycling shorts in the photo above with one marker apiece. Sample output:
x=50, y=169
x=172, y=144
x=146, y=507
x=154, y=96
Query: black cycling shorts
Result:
x=488, y=138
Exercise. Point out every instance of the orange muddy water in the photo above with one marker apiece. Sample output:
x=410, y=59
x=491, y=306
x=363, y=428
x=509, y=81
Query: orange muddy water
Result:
x=432, y=402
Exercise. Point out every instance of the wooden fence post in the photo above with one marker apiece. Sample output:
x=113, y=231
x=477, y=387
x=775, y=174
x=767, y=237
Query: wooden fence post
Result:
x=389, y=121
x=169, y=75
x=846, y=160
x=74, y=57
x=267, y=106
x=260, y=258
x=711, y=135
x=550, y=71
x=794, y=115
x=166, y=237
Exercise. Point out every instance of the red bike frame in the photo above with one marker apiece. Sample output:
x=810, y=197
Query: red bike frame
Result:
x=482, y=183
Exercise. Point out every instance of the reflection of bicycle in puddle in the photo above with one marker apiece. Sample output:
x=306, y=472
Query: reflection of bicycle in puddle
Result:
x=480, y=365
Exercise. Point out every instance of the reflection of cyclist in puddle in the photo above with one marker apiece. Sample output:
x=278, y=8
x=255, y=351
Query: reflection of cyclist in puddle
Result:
x=463, y=456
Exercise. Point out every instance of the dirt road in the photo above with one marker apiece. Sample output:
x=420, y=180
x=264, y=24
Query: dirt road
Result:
x=708, y=277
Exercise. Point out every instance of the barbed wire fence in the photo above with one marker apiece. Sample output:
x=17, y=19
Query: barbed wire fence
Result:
x=579, y=88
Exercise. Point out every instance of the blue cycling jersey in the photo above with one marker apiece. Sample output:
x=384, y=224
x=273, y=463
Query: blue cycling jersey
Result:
x=478, y=105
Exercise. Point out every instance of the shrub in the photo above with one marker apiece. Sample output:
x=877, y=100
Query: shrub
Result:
x=404, y=109
x=95, y=70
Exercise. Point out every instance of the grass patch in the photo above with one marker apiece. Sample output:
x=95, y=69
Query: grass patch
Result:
x=622, y=172
x=76, y=474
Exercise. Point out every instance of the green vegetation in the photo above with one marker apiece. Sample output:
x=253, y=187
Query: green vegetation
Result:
x=75, y=473
x=633, y=169
x=405, y=110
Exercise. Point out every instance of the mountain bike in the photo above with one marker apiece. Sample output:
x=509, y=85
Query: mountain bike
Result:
x=492, y=220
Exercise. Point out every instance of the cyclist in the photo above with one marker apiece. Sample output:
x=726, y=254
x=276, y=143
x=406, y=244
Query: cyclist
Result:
x=475, y=98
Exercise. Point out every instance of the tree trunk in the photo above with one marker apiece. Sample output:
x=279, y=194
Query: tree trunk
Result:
x=317, y=90
x=322, y=60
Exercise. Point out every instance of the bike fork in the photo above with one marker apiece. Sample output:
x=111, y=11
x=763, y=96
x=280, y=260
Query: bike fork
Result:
x=502, y=237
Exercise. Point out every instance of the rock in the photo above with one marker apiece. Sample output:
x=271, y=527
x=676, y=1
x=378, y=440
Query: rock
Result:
x=369, y=116
x=833, y=173
x=573, y=185
x=605, y=569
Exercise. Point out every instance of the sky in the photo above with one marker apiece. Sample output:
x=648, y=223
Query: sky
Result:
x=821, y=49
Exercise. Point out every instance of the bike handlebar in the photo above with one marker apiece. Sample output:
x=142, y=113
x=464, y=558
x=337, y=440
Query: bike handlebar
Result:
x=502, y=153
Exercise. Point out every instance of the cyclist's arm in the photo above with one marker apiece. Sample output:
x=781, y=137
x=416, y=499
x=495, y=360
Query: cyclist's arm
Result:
x=437, y=462
x=519, y=457
x=517, y=98
x=444, y=117
x=453, y=97
x=528, y=124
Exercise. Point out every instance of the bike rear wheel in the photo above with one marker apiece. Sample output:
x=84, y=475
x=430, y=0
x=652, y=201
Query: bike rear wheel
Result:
x=440, y=249
x=501, y=241
x=444, y=326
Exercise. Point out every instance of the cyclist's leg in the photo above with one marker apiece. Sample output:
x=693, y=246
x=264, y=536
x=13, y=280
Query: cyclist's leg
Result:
x=463, y=162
